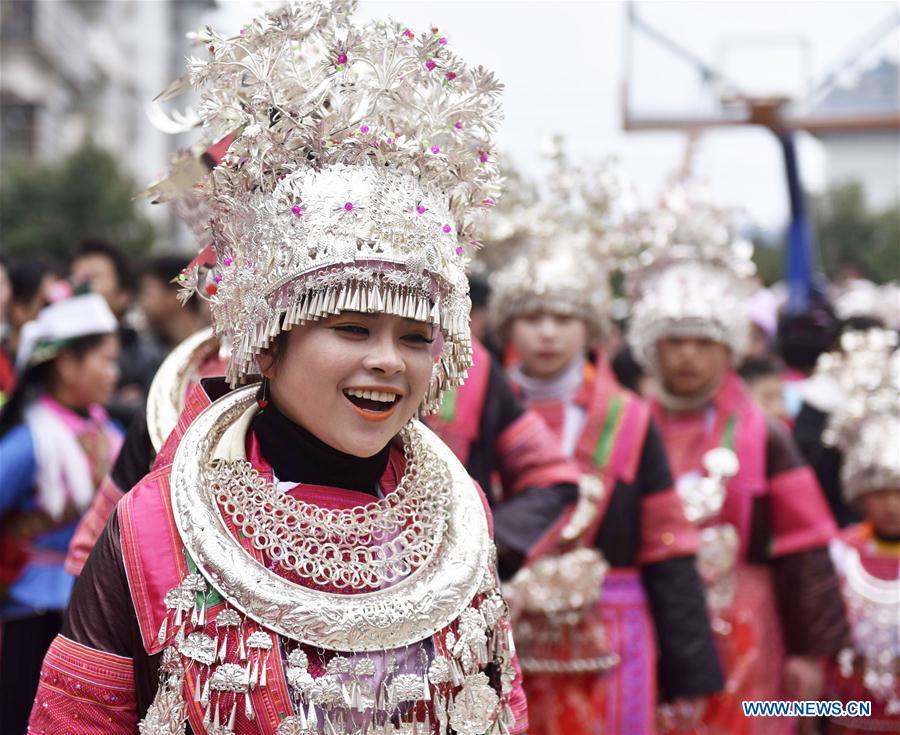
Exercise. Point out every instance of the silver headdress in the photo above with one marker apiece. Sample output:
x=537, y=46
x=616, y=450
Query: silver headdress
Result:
x=862, y=298
x=691, y=278
x=865, y=423
x=360, y=165
x=560, y=244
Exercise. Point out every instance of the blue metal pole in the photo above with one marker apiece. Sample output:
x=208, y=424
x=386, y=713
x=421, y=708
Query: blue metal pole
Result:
x=800, y=265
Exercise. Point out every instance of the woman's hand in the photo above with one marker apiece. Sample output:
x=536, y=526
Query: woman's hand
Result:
x=803, y=679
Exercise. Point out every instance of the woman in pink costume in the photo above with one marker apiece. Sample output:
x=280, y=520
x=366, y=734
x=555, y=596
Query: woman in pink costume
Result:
x=613, y=620
x=306, y=557
x=763, y=521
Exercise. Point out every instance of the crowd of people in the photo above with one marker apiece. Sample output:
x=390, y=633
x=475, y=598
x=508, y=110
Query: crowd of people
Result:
x=76, y=364
x=357, y=484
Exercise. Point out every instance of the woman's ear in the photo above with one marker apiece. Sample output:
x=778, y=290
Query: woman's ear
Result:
x=270, y=357
x=267, y=364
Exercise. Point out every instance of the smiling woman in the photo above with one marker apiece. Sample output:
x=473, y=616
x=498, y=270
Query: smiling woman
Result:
x=356, y=378
x=307, y=556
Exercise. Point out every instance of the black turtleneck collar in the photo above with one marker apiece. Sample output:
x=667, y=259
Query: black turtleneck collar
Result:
x=298, y=456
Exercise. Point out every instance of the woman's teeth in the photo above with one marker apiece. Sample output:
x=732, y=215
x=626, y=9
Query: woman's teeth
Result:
x=372, y=395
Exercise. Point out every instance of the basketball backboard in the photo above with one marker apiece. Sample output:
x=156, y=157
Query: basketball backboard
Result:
x=691, y=66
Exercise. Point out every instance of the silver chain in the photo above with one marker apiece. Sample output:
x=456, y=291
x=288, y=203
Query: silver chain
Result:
x=364, y=547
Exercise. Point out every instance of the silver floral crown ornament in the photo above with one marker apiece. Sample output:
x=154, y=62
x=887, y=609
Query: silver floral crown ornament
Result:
x=360, y=168
x=560, y=243
x=692, y=274
x=865, y=422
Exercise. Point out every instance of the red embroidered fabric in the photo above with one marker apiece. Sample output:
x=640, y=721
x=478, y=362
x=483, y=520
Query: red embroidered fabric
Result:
x=84, y=691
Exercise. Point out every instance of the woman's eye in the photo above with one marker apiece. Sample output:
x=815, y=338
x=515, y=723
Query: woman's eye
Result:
x=419, y=339
x=352, y=329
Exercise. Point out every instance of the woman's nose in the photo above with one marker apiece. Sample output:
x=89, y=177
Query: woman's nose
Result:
x=385, y=356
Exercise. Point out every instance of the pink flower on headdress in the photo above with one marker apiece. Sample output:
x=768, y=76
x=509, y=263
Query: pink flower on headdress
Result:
x=447, y=229
x=429, y=64
x=407, y=34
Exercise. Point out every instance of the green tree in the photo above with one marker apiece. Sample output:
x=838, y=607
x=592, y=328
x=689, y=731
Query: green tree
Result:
x=768, y=254
x=50, y=207
x=846, y=232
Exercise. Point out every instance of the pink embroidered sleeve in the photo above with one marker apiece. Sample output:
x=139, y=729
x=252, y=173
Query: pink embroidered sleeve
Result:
x=528, y=455
x=800, y=516
x=665, y=531
x=84, y=691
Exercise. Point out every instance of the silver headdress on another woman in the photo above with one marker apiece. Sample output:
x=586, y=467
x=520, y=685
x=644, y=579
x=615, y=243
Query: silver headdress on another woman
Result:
x=691, y=278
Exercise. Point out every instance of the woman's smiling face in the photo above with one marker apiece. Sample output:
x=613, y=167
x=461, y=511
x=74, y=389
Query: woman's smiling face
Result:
x=353, y=380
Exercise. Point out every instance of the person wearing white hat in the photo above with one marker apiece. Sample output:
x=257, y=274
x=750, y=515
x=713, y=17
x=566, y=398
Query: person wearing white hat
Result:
x=56, y=443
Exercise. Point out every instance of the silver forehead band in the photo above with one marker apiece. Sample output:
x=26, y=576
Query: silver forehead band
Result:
x=344, y=238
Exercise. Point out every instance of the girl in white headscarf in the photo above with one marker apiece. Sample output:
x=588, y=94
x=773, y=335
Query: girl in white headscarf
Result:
x=56, y=444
